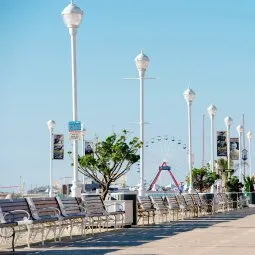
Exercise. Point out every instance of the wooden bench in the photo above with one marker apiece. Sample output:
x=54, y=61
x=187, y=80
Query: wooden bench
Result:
x=72, y=210
x=47, y=211
x=160, y=206
x=145, y=209
x=191, y=205
x=95, y=209
x=220, y=204
x=173, y=205
x=185, y=208
x=17, y=214
x=203, y=205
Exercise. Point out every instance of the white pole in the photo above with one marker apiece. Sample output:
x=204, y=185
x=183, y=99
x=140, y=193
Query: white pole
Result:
x=83, y=150
x=75, y=191
x=240, y=157
x=228, y=145
x=212, y=148
x=250, y=157
x=51, y=163
x=212, y=143
x=190, y=149
x=249, y=136
x=141, y=188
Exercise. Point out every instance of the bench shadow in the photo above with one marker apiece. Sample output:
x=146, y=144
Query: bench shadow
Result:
x=135, y=236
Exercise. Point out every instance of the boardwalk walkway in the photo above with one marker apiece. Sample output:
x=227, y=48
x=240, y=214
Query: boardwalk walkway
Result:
x=230, y=233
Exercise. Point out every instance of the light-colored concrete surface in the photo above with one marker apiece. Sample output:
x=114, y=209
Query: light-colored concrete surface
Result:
x=229, y=233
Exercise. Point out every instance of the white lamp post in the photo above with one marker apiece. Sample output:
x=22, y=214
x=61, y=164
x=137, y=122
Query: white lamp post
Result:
x=83, y=145
x=240, y=130
x=212, y=112
x=249, y=136
x=51, y=125
x=72, y=16
x=142, y=62
x=228, y=122
x=189, y=96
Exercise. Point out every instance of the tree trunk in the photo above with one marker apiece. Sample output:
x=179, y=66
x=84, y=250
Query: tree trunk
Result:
x=105, y=190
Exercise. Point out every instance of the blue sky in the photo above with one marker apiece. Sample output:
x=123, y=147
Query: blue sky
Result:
x=208, y=44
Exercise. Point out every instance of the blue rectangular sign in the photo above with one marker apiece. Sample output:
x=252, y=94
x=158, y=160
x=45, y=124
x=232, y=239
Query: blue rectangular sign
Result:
x=165, y=168
x=74, y=126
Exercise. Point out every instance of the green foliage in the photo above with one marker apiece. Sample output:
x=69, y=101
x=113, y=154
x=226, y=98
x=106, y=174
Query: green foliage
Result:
x=203, y=178
x=112, y=158
x=233, y=184
x=248, y=184
x=223, y=171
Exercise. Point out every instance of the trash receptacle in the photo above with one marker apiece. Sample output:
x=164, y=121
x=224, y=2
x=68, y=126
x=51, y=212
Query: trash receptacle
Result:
x=127, y=196
x=252, y=197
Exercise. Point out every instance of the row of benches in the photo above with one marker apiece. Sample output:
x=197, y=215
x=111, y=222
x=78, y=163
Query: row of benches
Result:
x=149, y=206
x=43, y=216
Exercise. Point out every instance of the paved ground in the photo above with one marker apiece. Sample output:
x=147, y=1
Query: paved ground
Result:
x=232, y=233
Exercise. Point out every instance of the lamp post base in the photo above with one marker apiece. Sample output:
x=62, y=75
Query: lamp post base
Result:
x=141, y=192
x=191, y=190
x=75, y=190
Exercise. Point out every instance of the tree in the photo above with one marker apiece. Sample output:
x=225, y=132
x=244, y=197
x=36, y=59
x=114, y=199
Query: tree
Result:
x=233, y=184
x=223, y=171
x=110, y=160
x=203, y=178
x=248, y=184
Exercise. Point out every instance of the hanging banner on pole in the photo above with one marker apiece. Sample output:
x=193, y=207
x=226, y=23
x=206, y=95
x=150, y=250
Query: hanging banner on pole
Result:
x=234, y=148
x=58, y=151
x=222, y=143
x=89, y=147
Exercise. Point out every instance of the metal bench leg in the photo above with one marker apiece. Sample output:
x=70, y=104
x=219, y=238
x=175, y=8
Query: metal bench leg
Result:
x=71, y=230
x=42, y=234
x=13, y=240
x=28, y=235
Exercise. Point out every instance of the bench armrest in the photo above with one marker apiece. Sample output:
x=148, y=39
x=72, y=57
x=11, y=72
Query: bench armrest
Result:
x=17, y=211
x=142, y=205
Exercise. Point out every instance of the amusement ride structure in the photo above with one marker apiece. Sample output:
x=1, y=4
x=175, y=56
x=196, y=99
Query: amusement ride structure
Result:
x=165, y=167
x=161, y=149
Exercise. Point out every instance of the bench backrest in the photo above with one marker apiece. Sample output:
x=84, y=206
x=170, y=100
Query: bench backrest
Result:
x=144, y=202
x=94, y=205
x=43, y=207
x=69, y=206
x=172, y=202
x=17, y=207
x=196, y=198
x=181, y=201
x=158, y=203
x=189, y=200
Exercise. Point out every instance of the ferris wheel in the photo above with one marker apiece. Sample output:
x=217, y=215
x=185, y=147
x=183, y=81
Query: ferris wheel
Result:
x=164, y=150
